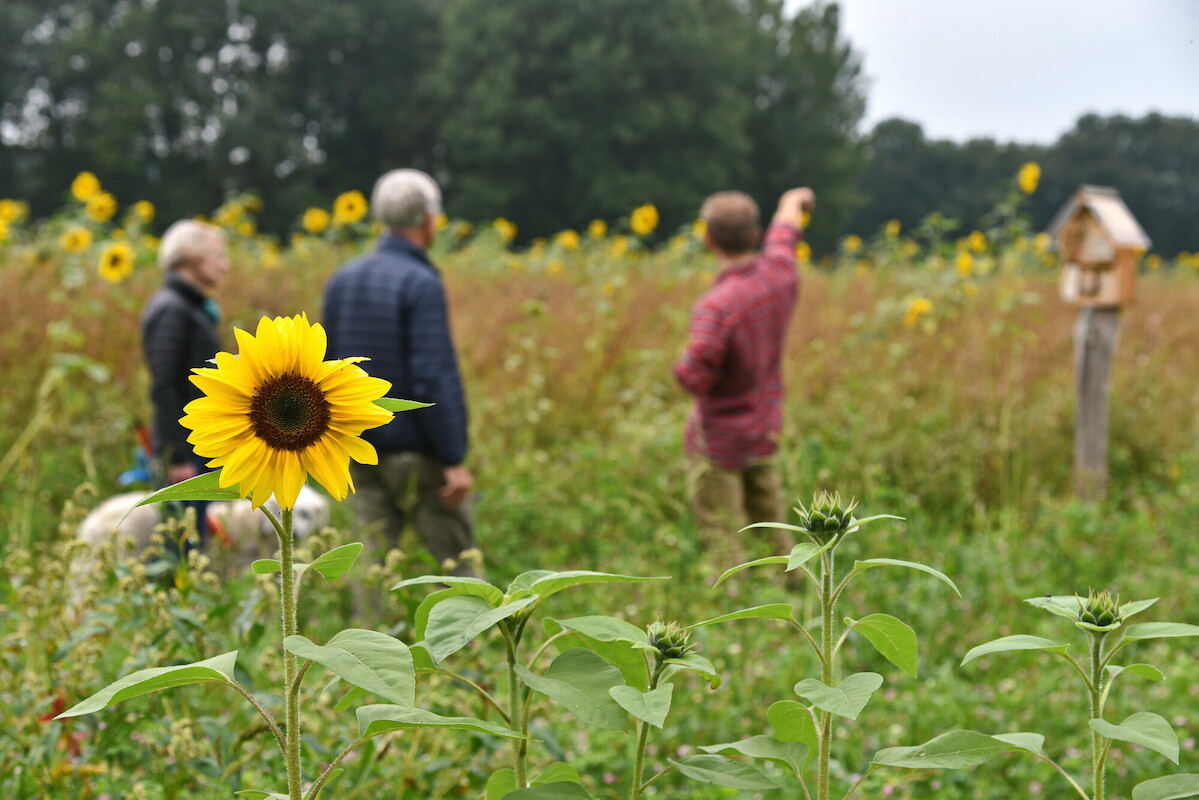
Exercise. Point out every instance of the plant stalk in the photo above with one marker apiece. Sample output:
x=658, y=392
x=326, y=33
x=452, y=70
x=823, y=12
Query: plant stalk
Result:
x=827, y=602
x=1096, y=692
x=288, y=601
x=519, y=747
x=643, y=737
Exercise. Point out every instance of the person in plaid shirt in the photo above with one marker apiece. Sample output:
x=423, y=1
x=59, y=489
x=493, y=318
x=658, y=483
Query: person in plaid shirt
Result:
x=732, y=363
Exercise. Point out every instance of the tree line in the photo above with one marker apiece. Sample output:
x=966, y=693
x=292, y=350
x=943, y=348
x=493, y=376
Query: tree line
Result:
x=544, y=112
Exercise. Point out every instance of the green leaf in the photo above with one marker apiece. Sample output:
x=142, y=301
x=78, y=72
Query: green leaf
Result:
x=202, y=487
x=456, y=620
x=892, y=638
x=1171, y=787
x=378, y=719
x=693, y=662
x=788, y=754
x=580, y=681
x=953, y=750
x=473, y=587
x=558, y=771
x=370, y=660
x=266, y=566
x=1010, y=643
x=723, y=771
x=804, y=552
x=1144, y=728
x=395, y=405
x=651, y=707
x=793, y=722
x=1063, y=605
x=604, y=629
x=1147, y=671
x=338, y=561
x=218, y=669
x=846, y=699
x=1032, y=742
x=554, y=582
x=500, y=783
x=755, y=563
x=771, y=611
x=862, y=566
x=619, y=652
x=1160, y=630
x=558, y=790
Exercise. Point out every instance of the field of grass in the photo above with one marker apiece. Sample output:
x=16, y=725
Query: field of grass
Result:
x=928, y=387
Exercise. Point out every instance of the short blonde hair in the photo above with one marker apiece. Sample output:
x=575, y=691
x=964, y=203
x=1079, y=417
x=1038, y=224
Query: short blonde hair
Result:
x=404, y=197
x=185, y=242
x=733, y=221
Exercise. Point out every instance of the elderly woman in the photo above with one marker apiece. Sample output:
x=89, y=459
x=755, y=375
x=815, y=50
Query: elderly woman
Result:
x=179, y=332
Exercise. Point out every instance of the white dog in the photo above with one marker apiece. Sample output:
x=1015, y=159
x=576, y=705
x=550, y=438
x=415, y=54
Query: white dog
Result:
x=239, y=534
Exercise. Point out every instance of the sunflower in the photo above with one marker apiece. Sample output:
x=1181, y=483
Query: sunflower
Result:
x=144, y=211
x=101, y=207
x=348, y=208
x=1029, y=177
x=116, y=262
x=278, y=412
x=84, y=186
x=315, y=221
x=644, y=219
x=76, y=239
x=598, y=229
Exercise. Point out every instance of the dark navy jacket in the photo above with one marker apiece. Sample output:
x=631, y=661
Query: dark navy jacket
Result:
x=179, y=333
x=390, y=306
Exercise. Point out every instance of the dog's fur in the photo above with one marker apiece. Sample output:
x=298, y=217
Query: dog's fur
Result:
x=239, y=534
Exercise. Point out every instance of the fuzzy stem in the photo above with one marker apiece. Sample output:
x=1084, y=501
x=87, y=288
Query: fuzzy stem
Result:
x=287, y=600
x=643, y=737
x=1096, y=695
x=520, y=747
x=827, y=603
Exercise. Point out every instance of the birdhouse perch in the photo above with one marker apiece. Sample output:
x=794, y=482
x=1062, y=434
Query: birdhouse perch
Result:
x=1100, y=242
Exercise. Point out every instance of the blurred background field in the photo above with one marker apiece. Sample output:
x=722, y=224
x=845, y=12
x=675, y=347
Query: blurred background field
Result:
x=929, y=373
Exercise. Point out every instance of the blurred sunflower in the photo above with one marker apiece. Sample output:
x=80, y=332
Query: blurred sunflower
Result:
x=3, y=231
x=598, y=229
x=116, y=262
x=505, y=229
x=892, y=229
x=349, y=208
x=965, y=264
x=568, y=239
x=13, y=210
x=917, y=308
x=101, y=207
x=76, y=239
x=84, y=186
x=277, y=413
x=1029, y=177
x=315, y=221
x=699, y=228
x=803, y=253
x=644, y=219
x=852, y=243
x=977, y=241
x=144, y=211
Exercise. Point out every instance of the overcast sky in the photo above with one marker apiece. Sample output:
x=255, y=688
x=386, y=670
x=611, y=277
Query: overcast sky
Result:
x=1023, y=70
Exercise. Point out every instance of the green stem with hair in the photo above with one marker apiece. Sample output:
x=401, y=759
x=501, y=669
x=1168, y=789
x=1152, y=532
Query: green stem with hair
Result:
x=643, y=735
x=1098, y=753
x=827, y=604
x=291, y=673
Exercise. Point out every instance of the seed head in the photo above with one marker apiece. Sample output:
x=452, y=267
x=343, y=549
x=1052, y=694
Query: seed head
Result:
x=668, y=639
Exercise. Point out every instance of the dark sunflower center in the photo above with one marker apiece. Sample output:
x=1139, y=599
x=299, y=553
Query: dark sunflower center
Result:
x=289, y=412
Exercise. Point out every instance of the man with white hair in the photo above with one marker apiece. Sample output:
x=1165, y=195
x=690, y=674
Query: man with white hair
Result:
x=390, y=305
x=179, y=332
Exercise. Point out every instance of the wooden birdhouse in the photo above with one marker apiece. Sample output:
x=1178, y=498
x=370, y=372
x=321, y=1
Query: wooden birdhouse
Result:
x=1100, y=243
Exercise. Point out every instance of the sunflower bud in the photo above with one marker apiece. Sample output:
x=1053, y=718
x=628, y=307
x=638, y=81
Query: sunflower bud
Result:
x=1100, y=610
x=668, y=639
x=826, y=515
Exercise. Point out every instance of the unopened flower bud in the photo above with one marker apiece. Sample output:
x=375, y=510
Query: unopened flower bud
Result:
x=1101, y=610
x=668, y=639
x=827, y=515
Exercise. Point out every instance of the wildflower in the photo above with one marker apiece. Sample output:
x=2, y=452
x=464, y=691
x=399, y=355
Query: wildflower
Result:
x=669, y=639
x=598, y=229
x=700, y=228
x=568, y=239
x=826, y=515
x=965, y=264
x=315, y=221
x=349, y=208
x=505, y=229
x=892, y=229
x=803, y=253
x=116, y=262
x=977, y=241
x=101, y=207
x=13, y=210
x=852, y=243
x=85, y=185
x=917, y=308
x=644, y=219
x=1029, y=177
x=144, y=211
x=277, y=413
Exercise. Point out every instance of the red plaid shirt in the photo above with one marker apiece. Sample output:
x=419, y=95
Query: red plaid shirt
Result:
x=733, y=359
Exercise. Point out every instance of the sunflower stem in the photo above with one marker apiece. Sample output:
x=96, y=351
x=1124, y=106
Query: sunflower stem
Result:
x=288, y=602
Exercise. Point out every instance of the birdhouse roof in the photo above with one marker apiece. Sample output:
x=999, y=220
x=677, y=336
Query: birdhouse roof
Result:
x=1117, y=222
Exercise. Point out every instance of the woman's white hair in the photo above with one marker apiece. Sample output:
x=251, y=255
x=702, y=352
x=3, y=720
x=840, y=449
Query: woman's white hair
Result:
x=403, y=197
x=186, y=241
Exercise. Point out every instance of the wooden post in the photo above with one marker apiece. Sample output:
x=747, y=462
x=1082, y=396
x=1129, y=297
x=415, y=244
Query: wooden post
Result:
x=1094, y=346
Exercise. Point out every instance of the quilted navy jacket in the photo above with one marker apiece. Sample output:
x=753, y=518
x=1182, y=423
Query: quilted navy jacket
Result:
x=390, y=306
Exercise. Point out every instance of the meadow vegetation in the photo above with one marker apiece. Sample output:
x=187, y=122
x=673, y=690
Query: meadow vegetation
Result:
x=929, y=376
